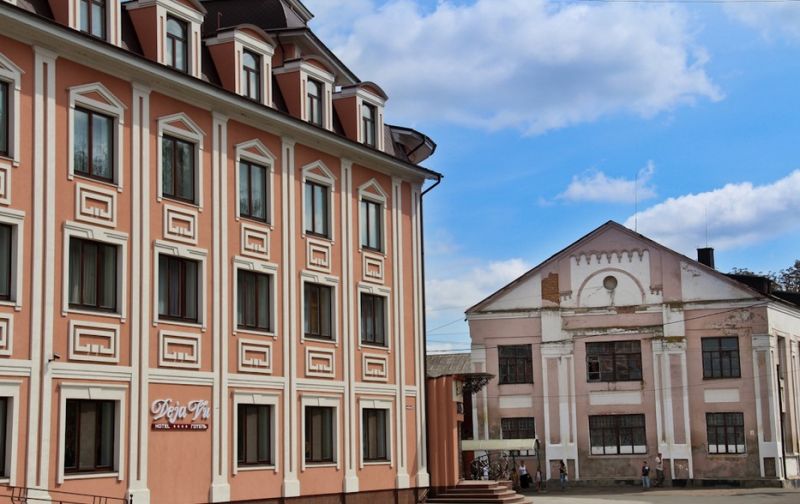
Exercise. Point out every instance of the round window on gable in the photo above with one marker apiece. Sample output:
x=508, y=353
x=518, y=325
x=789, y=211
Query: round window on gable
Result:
x=610, y=282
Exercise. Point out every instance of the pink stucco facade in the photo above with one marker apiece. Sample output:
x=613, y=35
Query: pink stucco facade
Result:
x=174, y=336
x=616, y=287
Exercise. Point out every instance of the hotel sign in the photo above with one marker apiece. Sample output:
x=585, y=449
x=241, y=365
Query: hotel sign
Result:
x=192, y=416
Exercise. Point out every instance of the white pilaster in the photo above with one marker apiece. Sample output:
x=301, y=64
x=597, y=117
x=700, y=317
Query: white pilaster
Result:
x=773, y=448
x=403, y=481
x=423, y=477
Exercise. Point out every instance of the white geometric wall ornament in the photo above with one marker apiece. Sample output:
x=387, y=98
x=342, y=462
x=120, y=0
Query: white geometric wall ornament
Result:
x=255, y=241
x=95, y=205
x=180, y=224
x=320, y=363
x=375, y=368
x=255, y=356
x=318, y=255
x=373, y=268
x=93, y=342
x=178, y=350
x=6, y=334
x=5, y=183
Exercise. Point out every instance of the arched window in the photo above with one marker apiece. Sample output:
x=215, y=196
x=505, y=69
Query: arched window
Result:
x=177, y=45
x=251, y=75
x=314, y=102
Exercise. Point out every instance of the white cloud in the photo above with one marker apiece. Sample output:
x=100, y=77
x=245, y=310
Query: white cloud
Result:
x=772, y=20
x=527, y=64
x=737, y=215
x=596, y=186
x=462, y=289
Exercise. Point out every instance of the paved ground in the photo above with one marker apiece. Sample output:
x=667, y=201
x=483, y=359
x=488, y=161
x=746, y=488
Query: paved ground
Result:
x=669, y=496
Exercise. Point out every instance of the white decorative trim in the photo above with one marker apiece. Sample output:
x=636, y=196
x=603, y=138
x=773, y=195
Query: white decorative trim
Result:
x=196, y=254
x=320, y=173
x=80, y=96
x=261, y=399
x=95, y=391
x=95, y=205
x=729, y=395
x=180, y=224
x=248, y=363
x=5, y=182
x=372, y=191
x=255, y=241
x=11, y=390
x=325, y=402
x=374, y=368
x=242, y=40
x=614, y=397
x=180, y=377
x=11, y=73
x=372, y=268
x=93, y=352
x=326, y=79
x=318, y=255
x=363, y=95
x=169, y=356
x=113, y=20
x=15, y=219
x=388, y=317
x=254, y=151
x=190, y=132
x=112, y=237
x=329, y=281
x=320, y=362
x=79, y=371
x=6, y=334
x=266, y=268
x=376, y=404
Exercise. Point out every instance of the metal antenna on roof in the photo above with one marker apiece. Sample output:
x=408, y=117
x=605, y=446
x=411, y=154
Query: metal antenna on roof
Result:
x=219, y=20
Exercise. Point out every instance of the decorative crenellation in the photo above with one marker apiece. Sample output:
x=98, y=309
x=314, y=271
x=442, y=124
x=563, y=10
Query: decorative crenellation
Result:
x=180, y=224
x=373, y=268
x=178, y=350
x=6, y=334
x=318, y=255
x=255, y=241
x=611, y=257
x=93, y=342
x=320, y=363
x=95, y=205
x=255, y=356
x=374, y=368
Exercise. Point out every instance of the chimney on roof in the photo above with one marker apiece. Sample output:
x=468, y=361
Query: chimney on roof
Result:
x=705, y=256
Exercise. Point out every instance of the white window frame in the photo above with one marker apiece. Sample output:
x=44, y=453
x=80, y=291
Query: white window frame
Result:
x=12, y=75
x=261, y=267
x=327, y=179
x=94, y=392
x=11, y=390
x=113, y=17
x=241, y=41
x=364, y=96
x=265, y=158
x=192, y=134
x=364, y=193
x=15, y=219
x=325, y=402
x=386, y=293
x=329, y=281
x=260, y=399
x=323, y=77
x=80, y=96
x=368, y=403
x=200, y=255
x=111, y=237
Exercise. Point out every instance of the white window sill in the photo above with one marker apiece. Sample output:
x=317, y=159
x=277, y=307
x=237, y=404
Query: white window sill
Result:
x=90, y=476
x=255, y=468
x=377, y=463
x=195, y=325
x=170, y=200
x=98, y=313
x=86, y=178
x=11, y=303
x=270, y=334
x=15, y=163
x=312, y=465
x=311, y=339
x=375, y=347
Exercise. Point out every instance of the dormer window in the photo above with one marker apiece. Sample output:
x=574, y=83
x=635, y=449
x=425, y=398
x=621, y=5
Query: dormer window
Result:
x=93, y=18
x=177, y=54
x=314, y=102
x=368, y=115
x=251, y=75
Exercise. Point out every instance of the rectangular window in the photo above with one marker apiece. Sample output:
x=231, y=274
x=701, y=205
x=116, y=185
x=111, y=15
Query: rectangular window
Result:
x=314, y=90
x=721, y=357
x=319, y=434
x=253, y=300
x=3, y=436
x=177, y=169
x=177, y=46
x=368, y=113
x=177, y=288
x=371, y=223
x=318, y=308
x=89, y=436
x=374, y=440
x=518, y=428
x=93, y=18
x=92, y=275
x=316, y=211
x=614, y=361
x=373, y=319
x=515, y=363
x=93, y=144
x=725, y=432
x=5, y=118
x=6, y=240
x=254, y=435
x=617, y=434
x=251, y=75
x=252, y=191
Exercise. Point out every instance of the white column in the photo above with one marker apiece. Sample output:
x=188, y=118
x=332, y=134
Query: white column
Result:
x=403, y=480
x=423, y=478
x=561, y=351
x=773, y=448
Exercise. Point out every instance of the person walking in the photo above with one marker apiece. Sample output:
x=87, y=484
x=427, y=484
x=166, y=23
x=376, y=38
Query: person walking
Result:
x=645, y=475
x=524, y=477
x=538, y=479
x=562, y=475
x=659, y=470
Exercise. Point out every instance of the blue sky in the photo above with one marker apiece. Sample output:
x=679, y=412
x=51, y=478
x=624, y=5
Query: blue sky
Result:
x=546, y=113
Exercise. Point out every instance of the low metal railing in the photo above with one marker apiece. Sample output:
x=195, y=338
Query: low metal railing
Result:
x=25, y=495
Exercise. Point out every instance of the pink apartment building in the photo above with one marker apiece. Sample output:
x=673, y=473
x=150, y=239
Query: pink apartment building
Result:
x=210, y=259
x=617, y=348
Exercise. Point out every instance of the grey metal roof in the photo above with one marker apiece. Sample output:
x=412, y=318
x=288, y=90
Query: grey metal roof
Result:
x=447, y=364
